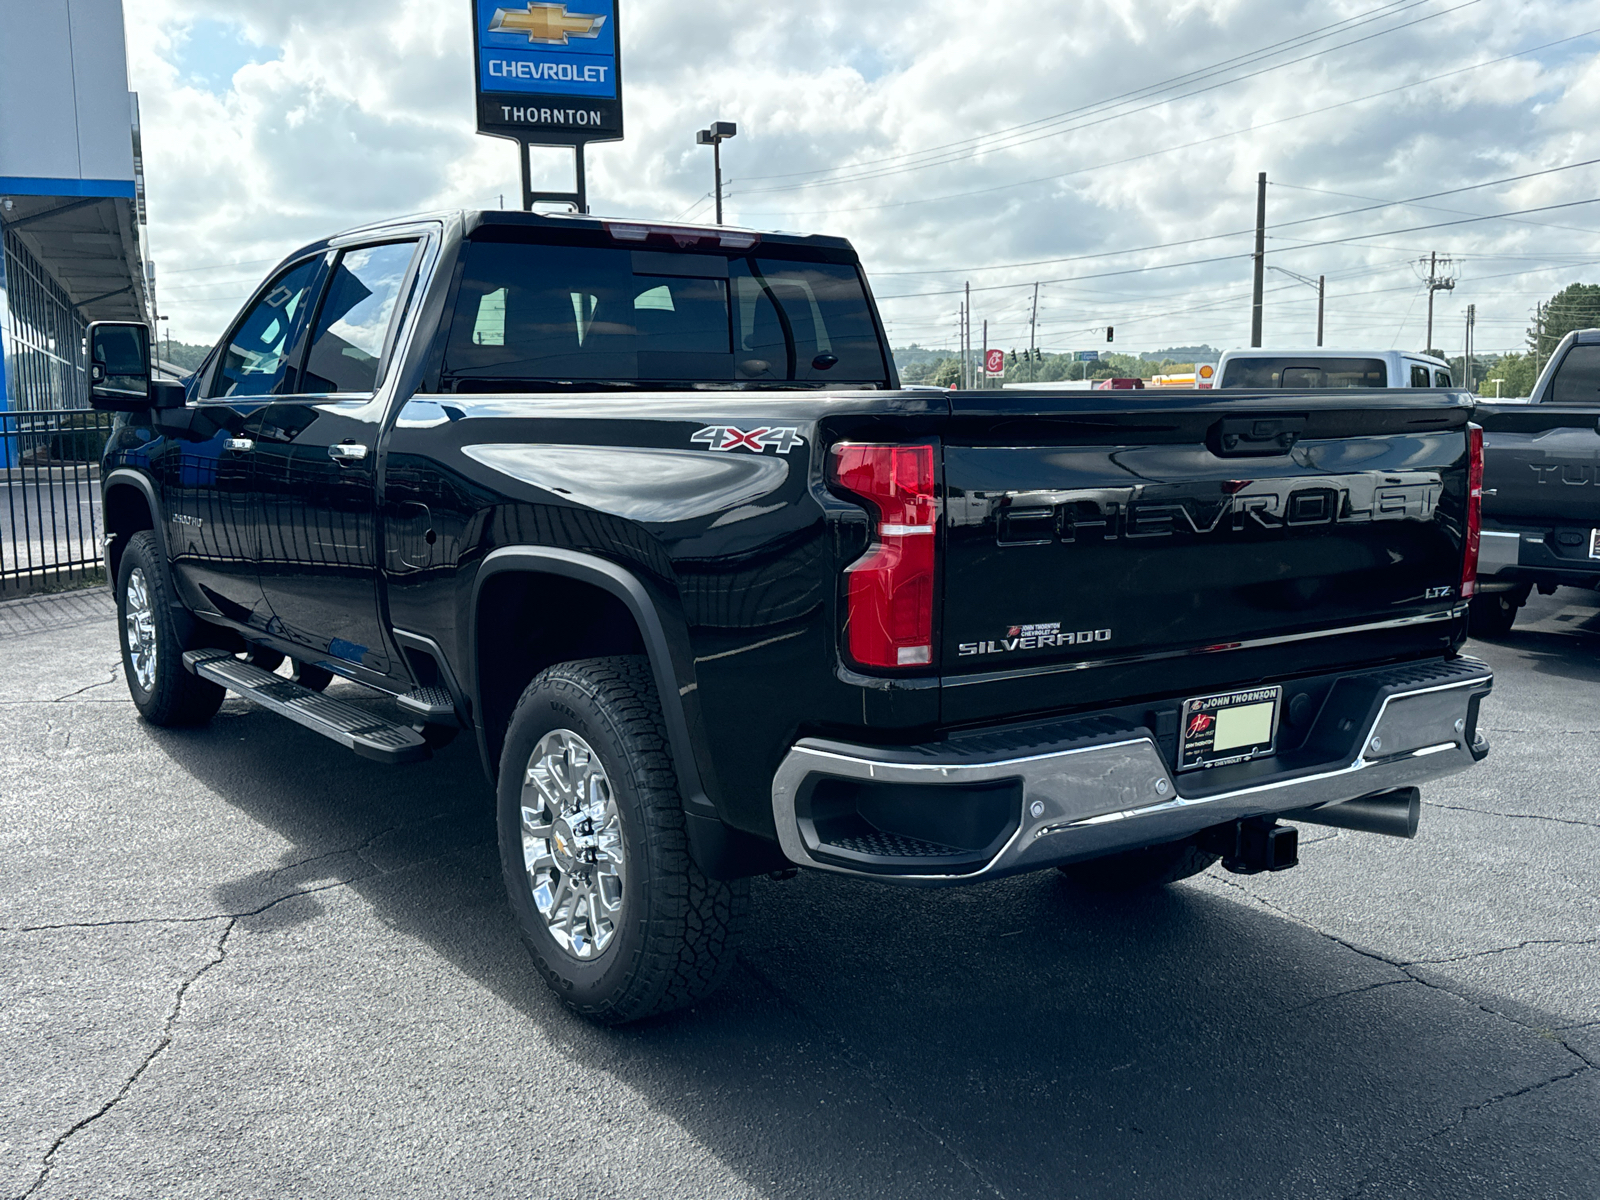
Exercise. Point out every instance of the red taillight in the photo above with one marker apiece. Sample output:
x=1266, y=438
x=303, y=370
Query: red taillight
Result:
x=889, y=622
x=1469, y=562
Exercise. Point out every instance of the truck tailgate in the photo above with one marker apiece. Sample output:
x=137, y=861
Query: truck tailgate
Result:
x=1541, y=463
x=1092, y=548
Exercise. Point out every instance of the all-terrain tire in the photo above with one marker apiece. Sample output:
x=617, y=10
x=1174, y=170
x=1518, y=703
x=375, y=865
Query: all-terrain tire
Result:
x=1139, y=870
x=154, y=634
x=677, y=932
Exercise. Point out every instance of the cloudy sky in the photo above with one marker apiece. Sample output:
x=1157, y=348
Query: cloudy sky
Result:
x=1106, y=150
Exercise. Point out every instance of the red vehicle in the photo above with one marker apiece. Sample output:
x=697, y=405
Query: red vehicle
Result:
x=1107, y=385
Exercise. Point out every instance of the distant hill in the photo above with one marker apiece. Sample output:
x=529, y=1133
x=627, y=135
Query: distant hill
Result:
x=1183, y=354
x=905, y=356
x=182, y=354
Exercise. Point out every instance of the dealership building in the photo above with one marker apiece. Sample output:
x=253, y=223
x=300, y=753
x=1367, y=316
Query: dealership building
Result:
x=72, y=208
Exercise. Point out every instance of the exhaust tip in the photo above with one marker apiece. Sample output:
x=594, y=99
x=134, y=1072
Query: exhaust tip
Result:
x=1393, y=814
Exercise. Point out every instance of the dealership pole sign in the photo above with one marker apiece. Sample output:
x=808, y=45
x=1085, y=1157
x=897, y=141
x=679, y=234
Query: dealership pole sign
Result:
x=548, y=75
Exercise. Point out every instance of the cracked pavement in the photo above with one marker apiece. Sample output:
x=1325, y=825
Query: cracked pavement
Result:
x=240, y=961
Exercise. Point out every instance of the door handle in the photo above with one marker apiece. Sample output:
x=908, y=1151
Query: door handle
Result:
x=239, y=445
x=347, y=452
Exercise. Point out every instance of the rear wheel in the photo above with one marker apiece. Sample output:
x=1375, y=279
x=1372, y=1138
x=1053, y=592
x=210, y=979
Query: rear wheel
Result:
x=1494, y=612
x=1139, y=870
x=154, y=637
x=267, y=660
x=618, y=919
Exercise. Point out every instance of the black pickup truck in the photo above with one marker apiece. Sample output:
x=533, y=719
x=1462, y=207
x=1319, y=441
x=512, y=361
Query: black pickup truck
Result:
x=1541, y=494
x=644, y=510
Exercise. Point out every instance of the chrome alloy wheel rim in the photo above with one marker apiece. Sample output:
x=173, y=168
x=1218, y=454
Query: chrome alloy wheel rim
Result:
x=140, y=620
x=572, y=844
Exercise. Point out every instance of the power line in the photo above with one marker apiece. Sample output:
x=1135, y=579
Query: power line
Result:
x=1137, y=93
x=1120, y=162
x=1075, y=128
x=1196, y=262
x=1435, y=207
x=1240, y=232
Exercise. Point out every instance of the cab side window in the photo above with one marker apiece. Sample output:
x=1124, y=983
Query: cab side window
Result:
x=1577, y=379
x=353, y=324
x=1419, y=376
x=1441, y=379
x=256, y=360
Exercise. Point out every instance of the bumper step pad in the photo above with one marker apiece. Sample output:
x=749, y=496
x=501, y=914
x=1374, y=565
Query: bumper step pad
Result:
x=431, y=702
x=352, y=727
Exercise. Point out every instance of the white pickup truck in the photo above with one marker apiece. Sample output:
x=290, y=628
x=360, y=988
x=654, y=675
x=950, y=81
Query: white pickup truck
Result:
x=1324, y=368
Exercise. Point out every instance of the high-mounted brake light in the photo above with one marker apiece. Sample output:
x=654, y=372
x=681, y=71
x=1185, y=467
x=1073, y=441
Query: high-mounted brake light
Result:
x=1469, y=561
x=684, y=235
x=889, y=621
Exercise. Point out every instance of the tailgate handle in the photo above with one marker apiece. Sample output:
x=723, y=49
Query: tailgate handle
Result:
x=1239, y=437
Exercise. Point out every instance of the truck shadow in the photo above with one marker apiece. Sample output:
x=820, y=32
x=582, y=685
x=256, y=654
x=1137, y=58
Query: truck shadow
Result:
x=1009, y=1039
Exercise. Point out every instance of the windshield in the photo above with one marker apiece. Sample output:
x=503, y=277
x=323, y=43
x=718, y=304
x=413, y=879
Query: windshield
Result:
x=1305, y=373
x=586, y=317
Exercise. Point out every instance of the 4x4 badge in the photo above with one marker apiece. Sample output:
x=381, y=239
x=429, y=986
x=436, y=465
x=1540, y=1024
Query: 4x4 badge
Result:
x=781, y=438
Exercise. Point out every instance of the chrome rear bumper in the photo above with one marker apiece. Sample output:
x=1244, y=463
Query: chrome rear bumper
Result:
x=1097, y=787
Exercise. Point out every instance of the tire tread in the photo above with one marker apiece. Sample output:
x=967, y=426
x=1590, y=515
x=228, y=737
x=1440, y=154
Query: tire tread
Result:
x=696, y=922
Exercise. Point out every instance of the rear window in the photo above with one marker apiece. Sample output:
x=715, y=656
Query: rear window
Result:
x=1306, y=373
x=1577, y=379
x=560, y=316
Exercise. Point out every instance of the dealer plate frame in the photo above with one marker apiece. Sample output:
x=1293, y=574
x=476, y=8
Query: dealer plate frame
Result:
x=1194, y=752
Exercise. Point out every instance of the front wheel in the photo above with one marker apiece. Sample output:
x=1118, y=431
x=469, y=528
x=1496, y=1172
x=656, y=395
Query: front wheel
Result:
x=153, y=643
x=1139, y=870
x=618, y=919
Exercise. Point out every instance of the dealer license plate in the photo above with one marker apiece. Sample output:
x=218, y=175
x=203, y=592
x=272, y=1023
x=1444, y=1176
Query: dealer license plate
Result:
x=1594, y=543
x=1228, y=728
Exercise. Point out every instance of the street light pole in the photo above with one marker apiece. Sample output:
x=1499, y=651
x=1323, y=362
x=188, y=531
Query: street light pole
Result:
x=1320, y=283
x=1260, y=258
x=719, y=132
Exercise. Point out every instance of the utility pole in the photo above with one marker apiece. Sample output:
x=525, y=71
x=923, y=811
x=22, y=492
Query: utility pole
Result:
x=966, y=345
x=984, y=361
x=1261, y=257
x=1436, y=283
x=1466, y=357
x=1033, y=331
x=1538, y=338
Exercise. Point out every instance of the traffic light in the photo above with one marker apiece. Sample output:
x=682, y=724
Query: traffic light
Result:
x=1108, y=333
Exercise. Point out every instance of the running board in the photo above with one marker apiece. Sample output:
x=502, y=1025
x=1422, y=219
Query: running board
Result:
x=354, y=728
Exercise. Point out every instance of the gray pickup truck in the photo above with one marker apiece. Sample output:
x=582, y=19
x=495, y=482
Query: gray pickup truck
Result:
x=1541, y=487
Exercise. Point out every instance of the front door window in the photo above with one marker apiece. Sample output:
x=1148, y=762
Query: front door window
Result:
x=256, y=360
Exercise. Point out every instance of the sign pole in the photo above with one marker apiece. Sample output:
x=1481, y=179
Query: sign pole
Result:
x=548, y=74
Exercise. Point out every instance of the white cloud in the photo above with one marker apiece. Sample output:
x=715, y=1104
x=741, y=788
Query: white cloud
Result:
x=355, y=112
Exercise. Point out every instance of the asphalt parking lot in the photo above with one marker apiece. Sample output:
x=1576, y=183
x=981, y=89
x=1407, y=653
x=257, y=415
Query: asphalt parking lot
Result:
x=240, y=962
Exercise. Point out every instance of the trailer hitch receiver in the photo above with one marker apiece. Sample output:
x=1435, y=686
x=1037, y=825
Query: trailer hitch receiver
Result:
x=1254, y=845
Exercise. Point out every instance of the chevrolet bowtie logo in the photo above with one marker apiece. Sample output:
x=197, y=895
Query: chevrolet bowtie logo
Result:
x=551, y=24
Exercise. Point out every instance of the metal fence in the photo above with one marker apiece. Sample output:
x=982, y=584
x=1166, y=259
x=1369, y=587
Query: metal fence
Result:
x=50, y=520
x=44, y=332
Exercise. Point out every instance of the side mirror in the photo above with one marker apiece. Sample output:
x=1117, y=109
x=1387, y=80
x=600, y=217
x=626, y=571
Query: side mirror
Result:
x=119, y=366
